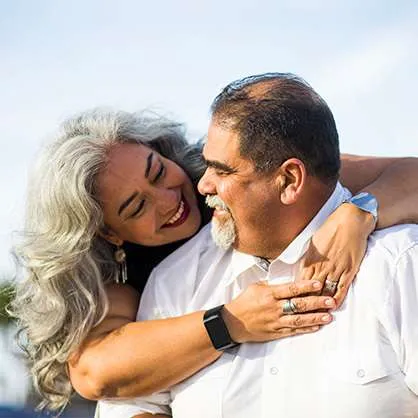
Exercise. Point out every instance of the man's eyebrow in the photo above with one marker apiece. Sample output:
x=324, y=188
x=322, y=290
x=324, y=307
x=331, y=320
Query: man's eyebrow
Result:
x=127, y=202
x=149, y=163
x=217, y=165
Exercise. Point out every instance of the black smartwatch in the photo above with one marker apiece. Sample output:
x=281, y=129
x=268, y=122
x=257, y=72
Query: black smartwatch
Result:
x=217, y=330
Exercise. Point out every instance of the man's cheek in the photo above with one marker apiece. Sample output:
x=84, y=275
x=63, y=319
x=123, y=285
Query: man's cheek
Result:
x=227, y=191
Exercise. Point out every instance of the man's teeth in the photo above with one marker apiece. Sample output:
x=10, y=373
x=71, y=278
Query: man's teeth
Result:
x=177, y=215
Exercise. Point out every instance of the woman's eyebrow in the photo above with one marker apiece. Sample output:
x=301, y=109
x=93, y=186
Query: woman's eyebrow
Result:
x=127, y=202
x=149, y=164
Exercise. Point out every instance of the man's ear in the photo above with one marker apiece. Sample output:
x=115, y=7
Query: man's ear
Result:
x=290, y=180
x=109, y=235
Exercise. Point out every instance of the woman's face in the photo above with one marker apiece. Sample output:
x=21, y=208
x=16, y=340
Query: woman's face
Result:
x=146, y=198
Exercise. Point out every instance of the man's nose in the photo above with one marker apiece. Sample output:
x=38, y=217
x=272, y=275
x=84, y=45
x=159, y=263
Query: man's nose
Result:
x=206, y=185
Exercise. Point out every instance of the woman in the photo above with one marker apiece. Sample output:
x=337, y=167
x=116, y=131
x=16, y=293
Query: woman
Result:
x=81, y=227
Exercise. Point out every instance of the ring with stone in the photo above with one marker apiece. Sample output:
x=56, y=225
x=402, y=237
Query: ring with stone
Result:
x=330, y=286
x=289, y=307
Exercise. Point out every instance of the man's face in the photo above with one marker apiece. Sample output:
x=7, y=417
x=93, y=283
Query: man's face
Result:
x=251, y=199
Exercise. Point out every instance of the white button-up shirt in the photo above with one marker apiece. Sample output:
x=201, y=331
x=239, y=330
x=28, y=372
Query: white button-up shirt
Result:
x=364, y=364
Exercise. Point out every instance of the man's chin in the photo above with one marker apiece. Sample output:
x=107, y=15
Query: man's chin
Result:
x=224, y=237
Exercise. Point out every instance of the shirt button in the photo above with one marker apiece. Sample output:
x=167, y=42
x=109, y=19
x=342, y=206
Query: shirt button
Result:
x=361, y=373
x=274, y=370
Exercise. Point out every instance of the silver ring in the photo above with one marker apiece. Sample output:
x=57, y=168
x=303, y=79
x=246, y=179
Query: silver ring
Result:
x=330, y=286
x=289, y=307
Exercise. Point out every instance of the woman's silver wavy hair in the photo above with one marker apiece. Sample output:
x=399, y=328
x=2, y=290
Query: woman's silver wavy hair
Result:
x=62, y=296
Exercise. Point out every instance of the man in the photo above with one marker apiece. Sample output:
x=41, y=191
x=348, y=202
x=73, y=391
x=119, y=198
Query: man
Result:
x=273, y=161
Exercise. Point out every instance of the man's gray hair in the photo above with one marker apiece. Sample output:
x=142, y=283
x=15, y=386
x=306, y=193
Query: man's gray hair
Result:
x=67, y=262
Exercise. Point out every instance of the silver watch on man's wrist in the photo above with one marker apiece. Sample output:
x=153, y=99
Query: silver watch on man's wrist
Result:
x=366, y=202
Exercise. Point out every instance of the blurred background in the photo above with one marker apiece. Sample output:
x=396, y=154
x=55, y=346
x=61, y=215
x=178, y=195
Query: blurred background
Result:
x=60, y=57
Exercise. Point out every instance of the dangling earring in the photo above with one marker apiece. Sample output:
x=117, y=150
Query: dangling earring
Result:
x=120, y=258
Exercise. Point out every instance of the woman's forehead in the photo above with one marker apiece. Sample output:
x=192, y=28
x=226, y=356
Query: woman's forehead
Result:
x=127, y=164
x=127, y=152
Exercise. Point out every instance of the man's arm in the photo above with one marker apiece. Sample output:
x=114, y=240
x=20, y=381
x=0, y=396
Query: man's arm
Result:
x=394, y=182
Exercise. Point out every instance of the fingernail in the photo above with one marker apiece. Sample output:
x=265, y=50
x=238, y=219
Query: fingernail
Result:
x=316, y=285
x=315, y=328
x=329, y=302
x=326, y=318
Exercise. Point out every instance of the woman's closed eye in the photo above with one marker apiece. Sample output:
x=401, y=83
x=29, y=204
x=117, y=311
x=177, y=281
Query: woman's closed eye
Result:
x=137, y=211
x=160, y=173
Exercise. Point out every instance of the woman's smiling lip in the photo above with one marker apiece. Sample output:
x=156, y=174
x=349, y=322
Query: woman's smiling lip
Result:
x=182, y=213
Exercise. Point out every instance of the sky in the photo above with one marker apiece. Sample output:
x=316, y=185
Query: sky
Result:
x=61, y=57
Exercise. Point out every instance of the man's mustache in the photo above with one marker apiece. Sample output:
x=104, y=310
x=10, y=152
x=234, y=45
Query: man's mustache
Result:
x=215, y=201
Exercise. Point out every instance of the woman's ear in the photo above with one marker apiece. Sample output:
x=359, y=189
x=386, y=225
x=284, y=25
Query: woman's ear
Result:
x=109, y=235
x=290, y=180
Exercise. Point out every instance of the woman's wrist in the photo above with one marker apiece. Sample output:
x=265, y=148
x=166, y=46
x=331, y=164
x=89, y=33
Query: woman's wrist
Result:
x=218, y=332
x=365, y=220
x=235, y=326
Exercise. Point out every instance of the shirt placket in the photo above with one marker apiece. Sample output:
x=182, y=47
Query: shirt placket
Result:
x=274, y=385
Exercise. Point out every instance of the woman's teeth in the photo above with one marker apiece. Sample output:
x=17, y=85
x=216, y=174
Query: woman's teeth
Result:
x=177, y=215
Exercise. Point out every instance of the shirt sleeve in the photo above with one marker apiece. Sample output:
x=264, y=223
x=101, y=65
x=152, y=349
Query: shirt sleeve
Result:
x=157, y=403
x=402, y=308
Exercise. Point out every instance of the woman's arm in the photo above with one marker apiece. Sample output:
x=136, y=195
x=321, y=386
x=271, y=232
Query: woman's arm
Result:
x=121, y=358
x=394, y=182
x=338, y=247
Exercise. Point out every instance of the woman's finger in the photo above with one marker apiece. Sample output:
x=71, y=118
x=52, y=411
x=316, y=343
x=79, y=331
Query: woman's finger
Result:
x=330, y=286
x=287, y=332
x=343, y=285
x=290, y=290
x=309, y=303
x=303, y=320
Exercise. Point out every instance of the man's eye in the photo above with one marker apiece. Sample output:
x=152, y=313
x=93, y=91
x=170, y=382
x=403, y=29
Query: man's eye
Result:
x=221, y=172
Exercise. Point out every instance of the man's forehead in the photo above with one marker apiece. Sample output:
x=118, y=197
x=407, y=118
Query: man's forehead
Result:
x=222, y=146
x=221, y=141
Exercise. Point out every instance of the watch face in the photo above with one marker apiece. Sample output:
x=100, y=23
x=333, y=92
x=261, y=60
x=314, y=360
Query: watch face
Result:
x=216, y=329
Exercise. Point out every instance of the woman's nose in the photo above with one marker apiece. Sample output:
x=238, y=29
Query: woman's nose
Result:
x=166, y=200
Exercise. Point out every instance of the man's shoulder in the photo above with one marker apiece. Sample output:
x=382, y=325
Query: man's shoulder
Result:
x=379, y=268
x=393, y=242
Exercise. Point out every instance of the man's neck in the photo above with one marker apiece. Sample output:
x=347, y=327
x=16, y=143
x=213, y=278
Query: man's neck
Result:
x=293, y=221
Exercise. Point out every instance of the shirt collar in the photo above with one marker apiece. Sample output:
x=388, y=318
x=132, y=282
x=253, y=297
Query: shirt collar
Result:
x=297, y=248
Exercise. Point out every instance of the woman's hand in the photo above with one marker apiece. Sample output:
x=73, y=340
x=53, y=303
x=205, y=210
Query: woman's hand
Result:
x=337, y=249
x=257, y=314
